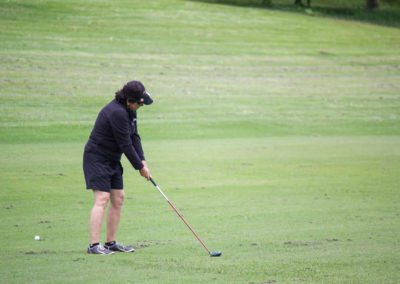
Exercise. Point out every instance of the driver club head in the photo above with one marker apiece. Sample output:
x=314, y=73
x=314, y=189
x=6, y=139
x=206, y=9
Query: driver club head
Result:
x=215, y=253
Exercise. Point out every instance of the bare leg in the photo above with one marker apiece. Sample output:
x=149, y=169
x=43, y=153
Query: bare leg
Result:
x=96, y=215
x=114, y=214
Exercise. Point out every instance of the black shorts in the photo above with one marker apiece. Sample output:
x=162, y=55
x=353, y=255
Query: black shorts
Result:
x=102, y=174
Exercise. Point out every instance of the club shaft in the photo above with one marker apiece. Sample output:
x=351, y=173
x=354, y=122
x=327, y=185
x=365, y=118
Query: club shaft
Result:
x=180, y=215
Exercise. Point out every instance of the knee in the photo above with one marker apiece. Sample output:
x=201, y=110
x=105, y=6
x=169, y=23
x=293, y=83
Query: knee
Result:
x=101, y=199
x=118, y=200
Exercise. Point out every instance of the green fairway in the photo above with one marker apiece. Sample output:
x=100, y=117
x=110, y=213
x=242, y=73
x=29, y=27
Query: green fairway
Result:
x=276, y=133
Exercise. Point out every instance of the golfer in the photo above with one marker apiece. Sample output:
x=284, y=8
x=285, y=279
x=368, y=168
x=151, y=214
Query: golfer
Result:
x=114, y=132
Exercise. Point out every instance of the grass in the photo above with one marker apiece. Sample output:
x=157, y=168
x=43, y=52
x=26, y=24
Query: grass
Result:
x=275, y=133
x=292, y=209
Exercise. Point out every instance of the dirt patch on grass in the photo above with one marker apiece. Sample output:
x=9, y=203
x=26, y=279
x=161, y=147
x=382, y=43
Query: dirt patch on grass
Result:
x=32, y=252
x=148, y=243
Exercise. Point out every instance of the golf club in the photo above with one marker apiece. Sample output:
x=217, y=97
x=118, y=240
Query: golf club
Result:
x=211, y=253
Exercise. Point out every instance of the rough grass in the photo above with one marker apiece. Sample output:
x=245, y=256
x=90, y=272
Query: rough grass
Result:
x=276, y=134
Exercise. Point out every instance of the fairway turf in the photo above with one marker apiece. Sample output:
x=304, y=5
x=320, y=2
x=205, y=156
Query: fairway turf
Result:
x=277, y=135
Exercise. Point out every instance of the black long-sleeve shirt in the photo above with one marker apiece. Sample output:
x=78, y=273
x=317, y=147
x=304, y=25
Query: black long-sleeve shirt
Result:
x=115, y=132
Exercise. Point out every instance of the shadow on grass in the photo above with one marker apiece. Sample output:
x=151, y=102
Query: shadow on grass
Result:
x=387, y=15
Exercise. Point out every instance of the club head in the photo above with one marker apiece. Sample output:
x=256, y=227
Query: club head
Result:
x=215, y=253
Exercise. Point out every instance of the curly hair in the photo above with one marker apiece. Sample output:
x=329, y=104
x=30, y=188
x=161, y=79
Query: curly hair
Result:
x=121, y=97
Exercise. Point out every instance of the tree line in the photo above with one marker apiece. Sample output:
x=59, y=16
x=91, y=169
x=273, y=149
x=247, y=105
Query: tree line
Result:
x=371, y=4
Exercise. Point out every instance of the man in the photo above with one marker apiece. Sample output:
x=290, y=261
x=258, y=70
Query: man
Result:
x=115, y=132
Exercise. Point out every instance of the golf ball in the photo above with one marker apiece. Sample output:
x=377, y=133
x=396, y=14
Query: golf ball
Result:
x=37, y=238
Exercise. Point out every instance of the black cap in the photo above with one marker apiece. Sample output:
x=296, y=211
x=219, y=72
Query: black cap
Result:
x=135, y=91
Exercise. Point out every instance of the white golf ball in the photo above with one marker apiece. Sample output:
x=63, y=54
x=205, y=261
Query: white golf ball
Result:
x=37, y=238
